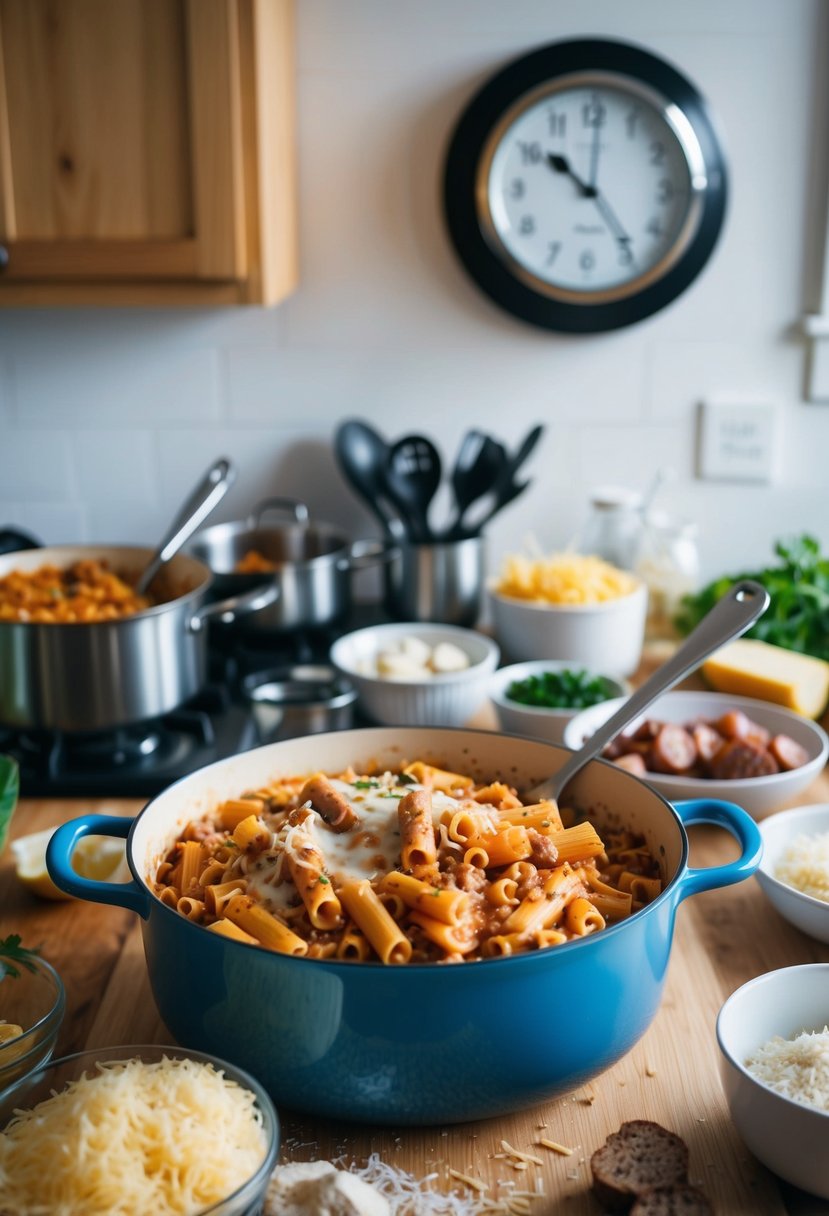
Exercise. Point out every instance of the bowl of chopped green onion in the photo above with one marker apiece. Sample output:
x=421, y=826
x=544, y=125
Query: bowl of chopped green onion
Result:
x=539, y=698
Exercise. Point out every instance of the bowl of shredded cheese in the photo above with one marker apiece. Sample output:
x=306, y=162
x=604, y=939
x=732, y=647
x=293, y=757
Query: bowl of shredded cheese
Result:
x=136, y=1129
x=773, y=1034
x=572, y=607
x=32, y=1004
x=794, y=873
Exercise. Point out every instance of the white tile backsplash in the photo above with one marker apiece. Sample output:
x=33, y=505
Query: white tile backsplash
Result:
x=108, y=417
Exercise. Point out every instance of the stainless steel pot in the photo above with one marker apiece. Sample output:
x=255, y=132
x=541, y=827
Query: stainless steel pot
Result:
x=314, y=563
x=102, y=674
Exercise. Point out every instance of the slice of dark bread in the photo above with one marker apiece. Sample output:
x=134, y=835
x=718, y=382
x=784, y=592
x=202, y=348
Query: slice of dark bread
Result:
x=681, y=1199
x=638, y=1158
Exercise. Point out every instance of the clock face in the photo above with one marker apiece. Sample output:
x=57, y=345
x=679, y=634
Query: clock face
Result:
x=590, y=188
x=585, y=185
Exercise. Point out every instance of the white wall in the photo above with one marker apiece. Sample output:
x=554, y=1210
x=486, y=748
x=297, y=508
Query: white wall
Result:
x=108, y=417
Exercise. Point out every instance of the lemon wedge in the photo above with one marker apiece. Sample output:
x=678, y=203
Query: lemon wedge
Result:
x=99, y=857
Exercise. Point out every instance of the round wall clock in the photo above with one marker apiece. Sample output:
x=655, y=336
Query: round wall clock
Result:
x=585, y=185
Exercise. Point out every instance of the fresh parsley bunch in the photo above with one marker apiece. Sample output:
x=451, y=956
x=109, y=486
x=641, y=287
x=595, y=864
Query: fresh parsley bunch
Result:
x=797, y=617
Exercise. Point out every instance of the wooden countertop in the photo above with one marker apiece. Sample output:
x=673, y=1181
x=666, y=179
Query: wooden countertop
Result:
x=723, y=938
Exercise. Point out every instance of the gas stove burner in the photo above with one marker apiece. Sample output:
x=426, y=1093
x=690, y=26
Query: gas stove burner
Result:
x=220, y=720
x=59, y=752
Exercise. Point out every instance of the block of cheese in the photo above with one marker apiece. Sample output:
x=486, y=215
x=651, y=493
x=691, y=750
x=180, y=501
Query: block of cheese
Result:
x=748, y=668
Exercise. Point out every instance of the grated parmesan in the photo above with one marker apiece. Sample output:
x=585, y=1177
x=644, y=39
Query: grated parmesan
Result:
x=796, y=1068
x=170, y=1138
x=804, y=865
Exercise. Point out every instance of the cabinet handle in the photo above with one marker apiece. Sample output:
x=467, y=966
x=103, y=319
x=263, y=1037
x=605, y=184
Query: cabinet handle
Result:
x=4, y=257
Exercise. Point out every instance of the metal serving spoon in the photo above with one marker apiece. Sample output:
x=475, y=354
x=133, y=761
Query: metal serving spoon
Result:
x=213, y=486
x=732, y=615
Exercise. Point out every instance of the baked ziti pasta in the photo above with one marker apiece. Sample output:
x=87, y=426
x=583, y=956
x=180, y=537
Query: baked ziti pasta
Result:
x=418, y=865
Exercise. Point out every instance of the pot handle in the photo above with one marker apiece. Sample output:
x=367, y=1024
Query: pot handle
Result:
x=293, y=506
x=228, y=610
x=364, y=553
x=59, y=852
x=736, y=821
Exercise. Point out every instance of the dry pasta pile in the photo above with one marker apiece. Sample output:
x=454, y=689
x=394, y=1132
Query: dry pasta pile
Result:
x=85, y=591
x=420, y=865
x=563, y=578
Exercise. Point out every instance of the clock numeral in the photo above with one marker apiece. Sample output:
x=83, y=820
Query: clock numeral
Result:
x=527, y=225
x=530, y=152
x=657, y=152
x=553, y=249
x=631, y=119
x=557, y=124
x=593, y=113
x=654, y=227
x=665, y=190
x=587, y=259
x=517, y=189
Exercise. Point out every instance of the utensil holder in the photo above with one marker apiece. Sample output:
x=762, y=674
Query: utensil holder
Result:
x=441, y=582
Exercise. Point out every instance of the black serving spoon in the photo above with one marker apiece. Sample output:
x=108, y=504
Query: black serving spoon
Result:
x=362, y=455
x=478, y=467
x=413, y=473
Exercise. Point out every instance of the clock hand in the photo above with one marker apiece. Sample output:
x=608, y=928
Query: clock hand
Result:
x=610, y=219
x=594, y=152
x=561, y=165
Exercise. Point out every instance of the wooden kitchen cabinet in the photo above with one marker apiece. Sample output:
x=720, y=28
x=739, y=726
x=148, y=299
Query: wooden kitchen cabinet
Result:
x=147, y=152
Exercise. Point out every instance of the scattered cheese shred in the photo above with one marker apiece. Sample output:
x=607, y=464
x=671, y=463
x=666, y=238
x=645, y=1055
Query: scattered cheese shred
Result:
x=556, y=1147
x=797, y=1068
x=171, y=1137
x=409, y=1196
x=804, y=864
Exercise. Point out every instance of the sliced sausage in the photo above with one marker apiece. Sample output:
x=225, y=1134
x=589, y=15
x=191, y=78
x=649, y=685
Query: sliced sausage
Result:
x=672, y=751
x=738, y=758
x=708, y=741
x=633, y=762
x=734, y=724
x=788, y=753
x=647, y=731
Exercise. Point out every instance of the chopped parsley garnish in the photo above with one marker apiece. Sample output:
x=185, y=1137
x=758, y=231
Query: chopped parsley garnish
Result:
x=324, y=880
x=393, y=794
x=560, y=690
x=12, y=952
x=407, y=779
x=436, y=890
x=369, y=783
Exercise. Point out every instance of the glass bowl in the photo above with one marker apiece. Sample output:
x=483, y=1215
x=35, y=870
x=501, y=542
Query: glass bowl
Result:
x=52, y=1077
x=34, y=1000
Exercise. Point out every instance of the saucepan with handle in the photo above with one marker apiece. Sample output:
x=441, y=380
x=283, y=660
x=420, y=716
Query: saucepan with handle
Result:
x=420, y=1043
x=310, y=563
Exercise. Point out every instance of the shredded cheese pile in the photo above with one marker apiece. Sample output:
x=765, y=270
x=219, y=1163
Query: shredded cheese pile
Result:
x=564, y=578
x=804, y=864
x=797, y=1068
x=168, y=1138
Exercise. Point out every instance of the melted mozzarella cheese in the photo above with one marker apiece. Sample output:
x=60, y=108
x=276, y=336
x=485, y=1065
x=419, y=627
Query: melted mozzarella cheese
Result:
x=371, y=848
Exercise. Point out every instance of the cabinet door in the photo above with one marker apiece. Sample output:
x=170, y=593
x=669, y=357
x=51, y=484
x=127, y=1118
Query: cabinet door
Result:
x=120, y=141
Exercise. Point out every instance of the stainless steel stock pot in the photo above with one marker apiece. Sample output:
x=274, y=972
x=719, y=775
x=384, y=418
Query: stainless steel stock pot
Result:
x=89, y=676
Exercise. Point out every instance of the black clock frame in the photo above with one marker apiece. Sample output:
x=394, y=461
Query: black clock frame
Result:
x=472, y=132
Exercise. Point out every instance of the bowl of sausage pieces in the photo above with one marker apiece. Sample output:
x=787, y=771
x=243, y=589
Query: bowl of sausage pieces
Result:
x=713, y=745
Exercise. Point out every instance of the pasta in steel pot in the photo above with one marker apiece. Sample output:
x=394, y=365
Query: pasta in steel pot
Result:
x=406, y=866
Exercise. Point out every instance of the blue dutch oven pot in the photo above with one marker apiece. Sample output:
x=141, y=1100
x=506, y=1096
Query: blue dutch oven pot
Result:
x=424, y=1043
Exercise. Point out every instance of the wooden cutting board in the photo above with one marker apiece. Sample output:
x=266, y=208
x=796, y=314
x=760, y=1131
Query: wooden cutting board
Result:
x=723, y=938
